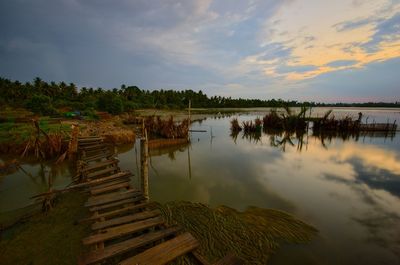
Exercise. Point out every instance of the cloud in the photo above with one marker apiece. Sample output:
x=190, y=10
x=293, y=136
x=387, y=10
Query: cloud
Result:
x=340, y=63
x=266, y=48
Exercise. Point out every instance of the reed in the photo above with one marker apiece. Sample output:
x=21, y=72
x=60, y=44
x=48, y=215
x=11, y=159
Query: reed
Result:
x=169, y=129
x=235, y=126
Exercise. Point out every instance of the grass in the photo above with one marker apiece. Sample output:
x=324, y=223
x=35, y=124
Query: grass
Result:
x=19, y=133
x=51, y=238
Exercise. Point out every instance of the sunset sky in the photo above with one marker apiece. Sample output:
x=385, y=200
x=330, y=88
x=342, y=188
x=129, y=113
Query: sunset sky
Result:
x=331, y=51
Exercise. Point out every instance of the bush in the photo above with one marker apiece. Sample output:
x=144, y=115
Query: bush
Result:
x=110, y=103
x=41, y=104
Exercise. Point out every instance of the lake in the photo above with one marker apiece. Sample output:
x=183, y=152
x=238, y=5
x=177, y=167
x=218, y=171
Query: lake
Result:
x=348, y=189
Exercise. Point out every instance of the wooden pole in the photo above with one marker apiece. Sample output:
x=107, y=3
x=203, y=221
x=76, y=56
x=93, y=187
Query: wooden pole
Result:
x=144, y=168
x=188, y=133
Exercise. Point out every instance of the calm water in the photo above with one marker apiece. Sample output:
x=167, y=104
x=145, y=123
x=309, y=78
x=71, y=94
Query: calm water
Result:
x=349, y=190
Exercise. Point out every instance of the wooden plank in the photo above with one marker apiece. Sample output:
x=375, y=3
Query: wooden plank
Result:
x=126, y=219
x=117, y=212
x=202, y=260
x=164, y=252
x=229, y=259
x=95, y=151
x=109, y=183
x=93, y=146
x=99, y=165
x=127, y=245
x=108, y=155
x=104, y=199
x=117, y=186
x=83, y=144
x=89, y=139
x=102, y=172
x=122, y=230
x=100, y=181
x=118, y=203
x=119, y=175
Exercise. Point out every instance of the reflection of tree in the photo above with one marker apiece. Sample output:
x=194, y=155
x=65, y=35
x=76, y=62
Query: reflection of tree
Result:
x=254, y=137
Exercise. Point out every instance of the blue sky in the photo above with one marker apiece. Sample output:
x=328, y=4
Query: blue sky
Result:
x=343, y=50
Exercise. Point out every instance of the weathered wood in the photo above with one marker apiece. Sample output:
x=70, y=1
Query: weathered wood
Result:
x=202, y=260
x=117, y=186
x=99, y=181
x=127, y=209
x=108, y=184
x=229, y=259
x=89, y=139
x=126, y=219
x=99, y=165
x=127, y=245
x=144, y=165
x=95, y=151
x=128, y=202
x=122, y=230
x=104, y=199
x=94, y=146
x=102, y=172
x=108, y=155
x=164, y=252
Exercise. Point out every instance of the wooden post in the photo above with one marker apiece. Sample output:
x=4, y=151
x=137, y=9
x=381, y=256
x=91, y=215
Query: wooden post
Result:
x=190, y=121
x=144, y=165
x=73, y=143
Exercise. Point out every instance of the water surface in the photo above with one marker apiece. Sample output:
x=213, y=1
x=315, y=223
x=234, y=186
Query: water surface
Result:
x=348, y=189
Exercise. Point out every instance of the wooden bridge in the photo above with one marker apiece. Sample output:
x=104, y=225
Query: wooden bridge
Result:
x=124, y=224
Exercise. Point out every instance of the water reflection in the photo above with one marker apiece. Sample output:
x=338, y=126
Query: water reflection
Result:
x=29, y=179
x=299, y=139
x=348, y=187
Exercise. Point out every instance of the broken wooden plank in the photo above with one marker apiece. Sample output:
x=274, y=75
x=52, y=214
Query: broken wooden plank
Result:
x=104, y=199
x=94, y=146
x=102, y=172
x=164, y=252
x=127, y=245
x=99, y=165
x=108, y=184
x=126, y=219
x=128, y=201
x=122, y=230
x=89, y=139
x=117, y=186
x=119, y=175
x=117, y=212
x=229, y=259
x=108, y=155
x=100, y=181
x=200, y=258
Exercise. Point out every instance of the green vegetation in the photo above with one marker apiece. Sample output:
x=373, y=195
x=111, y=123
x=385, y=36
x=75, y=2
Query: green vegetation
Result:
x=52, y=238
x=19, y=133
x=44, y=98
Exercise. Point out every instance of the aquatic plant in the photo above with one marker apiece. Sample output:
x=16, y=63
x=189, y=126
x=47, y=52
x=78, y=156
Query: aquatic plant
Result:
x=235, y=126
x=157, y=127
x=253, y=235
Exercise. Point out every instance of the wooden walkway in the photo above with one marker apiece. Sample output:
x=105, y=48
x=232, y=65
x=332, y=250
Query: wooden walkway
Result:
x=124, y=223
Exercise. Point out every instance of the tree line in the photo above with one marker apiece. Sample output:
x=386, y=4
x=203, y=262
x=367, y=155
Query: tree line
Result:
x=48, y=98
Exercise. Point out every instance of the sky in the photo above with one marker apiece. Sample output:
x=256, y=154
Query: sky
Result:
x=316, y=50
